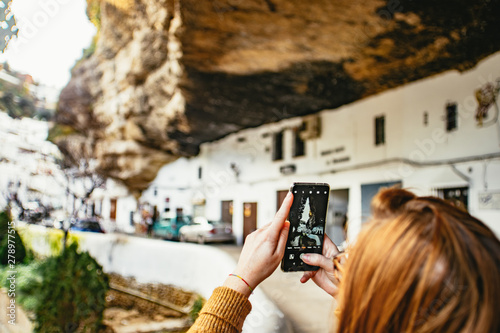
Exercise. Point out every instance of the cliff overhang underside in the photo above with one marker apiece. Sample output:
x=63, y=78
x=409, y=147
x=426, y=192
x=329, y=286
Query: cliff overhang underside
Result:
x=168, y=75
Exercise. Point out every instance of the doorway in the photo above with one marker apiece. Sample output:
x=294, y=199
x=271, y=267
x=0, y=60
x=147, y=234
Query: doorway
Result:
x=112, y=211
x=227, y=211
x=249, y=218
x=336, y=219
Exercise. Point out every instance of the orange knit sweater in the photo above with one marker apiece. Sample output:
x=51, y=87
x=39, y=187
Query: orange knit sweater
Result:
x=225, y=311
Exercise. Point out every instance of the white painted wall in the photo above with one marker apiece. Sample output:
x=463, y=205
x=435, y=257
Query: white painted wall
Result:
x=126, y=205
x=30, y=160
x=348, y=131
x=178, y=182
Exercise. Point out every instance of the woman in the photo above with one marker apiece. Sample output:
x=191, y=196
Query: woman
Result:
x=421, y=265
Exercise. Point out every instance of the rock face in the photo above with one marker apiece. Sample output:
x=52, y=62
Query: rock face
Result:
x=168, y=75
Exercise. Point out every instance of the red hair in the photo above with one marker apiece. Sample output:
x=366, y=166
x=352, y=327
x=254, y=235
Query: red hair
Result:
x=421, y=265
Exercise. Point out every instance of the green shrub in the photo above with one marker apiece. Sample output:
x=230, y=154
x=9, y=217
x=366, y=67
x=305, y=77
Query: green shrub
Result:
x=4, y=224
x=12, y=250
x=25, y=275
x=70, y=290
x=197, y=306
x=64, y=293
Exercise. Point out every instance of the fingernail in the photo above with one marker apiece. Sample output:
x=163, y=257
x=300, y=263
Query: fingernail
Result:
x=304, y=256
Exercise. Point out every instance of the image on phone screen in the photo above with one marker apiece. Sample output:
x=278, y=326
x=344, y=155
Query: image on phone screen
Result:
x=307, y=224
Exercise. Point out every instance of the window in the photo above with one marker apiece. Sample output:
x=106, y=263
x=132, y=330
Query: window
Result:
x=278, y=146
x=368, y=191
x=299, y=145
x=200, y=172
x=451, y=117
x=458, y=196
x=380, y=130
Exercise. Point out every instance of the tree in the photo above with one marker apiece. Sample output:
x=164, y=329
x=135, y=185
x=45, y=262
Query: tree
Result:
x=8, y=27
x=80, y=173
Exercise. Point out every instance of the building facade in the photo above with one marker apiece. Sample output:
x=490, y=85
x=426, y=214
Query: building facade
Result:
x=437, y=136
x=115, y=207
x=31, y=175
x=28, y=168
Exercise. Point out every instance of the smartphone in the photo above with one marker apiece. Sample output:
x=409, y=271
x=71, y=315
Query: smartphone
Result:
x=307, y=224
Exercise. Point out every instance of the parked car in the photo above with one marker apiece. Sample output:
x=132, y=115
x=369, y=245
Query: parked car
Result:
x=55, y=220
x=204, y=231
x=168, y=226
x=91, y=225
x=34, y=212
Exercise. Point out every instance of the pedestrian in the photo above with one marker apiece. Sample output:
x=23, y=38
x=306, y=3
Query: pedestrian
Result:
x=420, y=265
x=149, y=224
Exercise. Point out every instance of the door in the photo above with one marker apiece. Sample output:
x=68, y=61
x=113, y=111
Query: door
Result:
x=227, y=211
x=249, y=218
x=280, y=196
x=112, y=212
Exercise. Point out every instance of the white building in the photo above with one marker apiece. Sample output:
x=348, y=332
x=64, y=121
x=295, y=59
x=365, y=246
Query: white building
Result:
x=115, y=206
x=28, y=162
x=423, y=135
x=28, y=167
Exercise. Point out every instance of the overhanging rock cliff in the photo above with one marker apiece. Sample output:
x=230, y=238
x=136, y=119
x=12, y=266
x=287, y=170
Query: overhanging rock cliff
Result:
x=169, y=75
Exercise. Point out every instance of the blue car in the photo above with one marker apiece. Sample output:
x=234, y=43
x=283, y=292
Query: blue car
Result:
x=87, y=225
x=168, y=226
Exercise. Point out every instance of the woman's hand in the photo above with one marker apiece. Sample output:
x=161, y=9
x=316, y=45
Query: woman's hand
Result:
x=262, y=251
x=327, y=277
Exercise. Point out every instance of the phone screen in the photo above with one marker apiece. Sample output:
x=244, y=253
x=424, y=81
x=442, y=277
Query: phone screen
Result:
x=307, y=224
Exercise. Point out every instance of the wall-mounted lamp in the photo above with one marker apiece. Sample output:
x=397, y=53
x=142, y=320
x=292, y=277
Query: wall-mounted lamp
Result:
x=235, y=169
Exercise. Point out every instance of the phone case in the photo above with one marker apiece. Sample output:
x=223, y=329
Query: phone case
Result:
x=307, y=224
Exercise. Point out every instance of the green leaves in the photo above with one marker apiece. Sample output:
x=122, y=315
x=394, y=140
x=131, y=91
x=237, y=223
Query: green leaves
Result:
x=62, y=293
x=70, y=294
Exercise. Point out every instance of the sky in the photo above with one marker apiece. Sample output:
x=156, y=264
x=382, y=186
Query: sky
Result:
x=52, y=36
